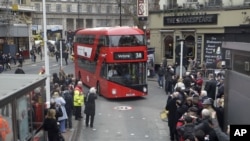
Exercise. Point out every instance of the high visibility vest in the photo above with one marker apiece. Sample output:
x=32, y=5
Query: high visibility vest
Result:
x=78, y=97
x=4, y=128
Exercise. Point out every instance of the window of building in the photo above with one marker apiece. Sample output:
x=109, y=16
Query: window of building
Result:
x=117, y=9
x=98, y=8
x=79, y=8
x=189, y=43
x=89, y=8
x=68, y=8
x=58, y=8
x=48, y=7
x=109, y=9
x=168, y=43
x=214, y=2
x=192, y=0
x=247, y=2
x=37, y=6
x=241, y=63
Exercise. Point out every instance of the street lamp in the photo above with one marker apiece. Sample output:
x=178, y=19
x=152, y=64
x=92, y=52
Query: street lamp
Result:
x=145, y=38
x=181, y=56
x=78, y=14
x=120, y=5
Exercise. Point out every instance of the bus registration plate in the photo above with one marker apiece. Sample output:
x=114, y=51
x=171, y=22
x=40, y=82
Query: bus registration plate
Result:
x=130, y=94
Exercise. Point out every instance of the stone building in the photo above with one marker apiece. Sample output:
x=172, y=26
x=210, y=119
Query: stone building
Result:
x=201, y=24
x=15, y=25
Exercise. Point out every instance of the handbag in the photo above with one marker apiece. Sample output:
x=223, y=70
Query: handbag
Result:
x=164, y=115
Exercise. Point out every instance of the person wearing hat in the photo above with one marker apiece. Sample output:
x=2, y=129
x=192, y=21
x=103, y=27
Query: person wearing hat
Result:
x=208, y=104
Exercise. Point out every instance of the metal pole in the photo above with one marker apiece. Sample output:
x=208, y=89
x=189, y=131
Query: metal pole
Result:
x=46, y=57
x=78, y=14
x=61, y=51
x=181, y=59
x=120, y=12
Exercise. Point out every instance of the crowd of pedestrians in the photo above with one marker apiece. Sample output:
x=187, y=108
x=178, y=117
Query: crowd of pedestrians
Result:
x=68, y=100
x=195, y=105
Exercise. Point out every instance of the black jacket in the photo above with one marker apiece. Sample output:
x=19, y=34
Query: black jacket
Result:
x=210, y=87
x=89, y=101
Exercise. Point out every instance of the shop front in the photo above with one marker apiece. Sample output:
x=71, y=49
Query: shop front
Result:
x=201, y=31
x=22, y=107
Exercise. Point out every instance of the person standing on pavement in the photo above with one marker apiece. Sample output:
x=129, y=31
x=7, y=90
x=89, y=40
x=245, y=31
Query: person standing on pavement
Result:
x=50, y=125
x=169, y=80
x=78, y=100
x=90, y=107
x=61, y=102
x=68, y=106
x=210, y=86
x=161, y=73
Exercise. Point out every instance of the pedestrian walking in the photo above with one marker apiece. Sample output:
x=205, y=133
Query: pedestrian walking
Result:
x=90, y=107
x=66, y=56
x=57, y=54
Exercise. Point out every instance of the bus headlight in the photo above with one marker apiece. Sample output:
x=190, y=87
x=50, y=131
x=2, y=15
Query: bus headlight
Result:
x=113, y=91
x=145, y=89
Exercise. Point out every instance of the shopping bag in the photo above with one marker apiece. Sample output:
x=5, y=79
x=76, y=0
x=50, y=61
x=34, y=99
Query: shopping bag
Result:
x=164, y=115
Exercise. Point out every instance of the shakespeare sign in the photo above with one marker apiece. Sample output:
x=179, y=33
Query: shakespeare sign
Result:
x=191, y=19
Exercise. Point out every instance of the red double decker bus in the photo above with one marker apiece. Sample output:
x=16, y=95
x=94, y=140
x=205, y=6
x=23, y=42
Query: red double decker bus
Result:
x=112, y=59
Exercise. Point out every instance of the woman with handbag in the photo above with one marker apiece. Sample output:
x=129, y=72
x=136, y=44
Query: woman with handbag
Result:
x=59, y=100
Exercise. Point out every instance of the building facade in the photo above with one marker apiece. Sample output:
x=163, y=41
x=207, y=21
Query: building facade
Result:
x=201, y=24
x=70, y=15
x=20, y=19
x=15, y=26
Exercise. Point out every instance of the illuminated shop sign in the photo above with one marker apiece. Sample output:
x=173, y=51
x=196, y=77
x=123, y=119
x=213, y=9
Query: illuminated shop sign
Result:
x=191, y=19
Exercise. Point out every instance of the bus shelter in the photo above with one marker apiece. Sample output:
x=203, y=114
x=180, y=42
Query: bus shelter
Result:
x=22, y=98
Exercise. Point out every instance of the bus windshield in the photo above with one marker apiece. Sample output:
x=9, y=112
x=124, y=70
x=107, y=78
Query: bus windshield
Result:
x=123, y=40
x=125, y=73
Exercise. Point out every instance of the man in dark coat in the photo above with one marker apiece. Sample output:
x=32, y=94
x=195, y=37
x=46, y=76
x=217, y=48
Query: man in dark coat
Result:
x=172, y=120
x=90, y=107
x=210, y=86
x=169, y=80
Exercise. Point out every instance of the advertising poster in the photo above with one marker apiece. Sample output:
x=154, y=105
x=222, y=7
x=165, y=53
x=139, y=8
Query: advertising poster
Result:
x=22, y=117
x=213, y=52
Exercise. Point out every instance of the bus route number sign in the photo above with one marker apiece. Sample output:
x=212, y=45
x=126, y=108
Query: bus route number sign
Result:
x=128, y=55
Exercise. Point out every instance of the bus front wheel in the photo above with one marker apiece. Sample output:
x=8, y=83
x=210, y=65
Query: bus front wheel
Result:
x=98, y=90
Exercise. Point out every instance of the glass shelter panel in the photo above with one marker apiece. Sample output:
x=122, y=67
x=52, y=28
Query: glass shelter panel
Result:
x=6, y=131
